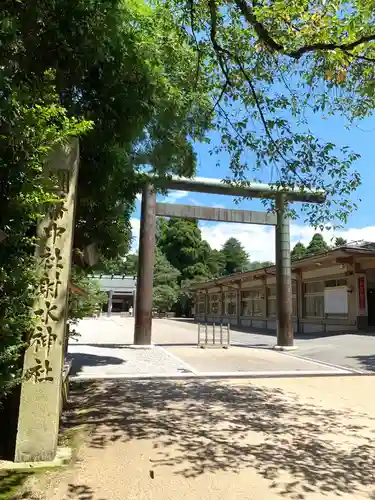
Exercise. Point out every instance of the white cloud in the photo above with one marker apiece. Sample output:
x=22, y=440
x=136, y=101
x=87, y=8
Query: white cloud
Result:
x=259, y=241
x=173, y=196
x=193, y=201
x=196, y=203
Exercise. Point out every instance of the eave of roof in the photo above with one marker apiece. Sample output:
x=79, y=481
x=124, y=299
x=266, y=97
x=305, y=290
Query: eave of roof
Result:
x=335, y=252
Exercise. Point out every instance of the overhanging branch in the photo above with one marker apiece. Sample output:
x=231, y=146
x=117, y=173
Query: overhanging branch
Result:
x=221, y=52
x=268, y=40
x=213, y=35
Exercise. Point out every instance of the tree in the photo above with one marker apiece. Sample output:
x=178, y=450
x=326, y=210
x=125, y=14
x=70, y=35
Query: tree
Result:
x=165, y=287
x=181, y=242
x=299, y=251
x=316, y=245
x=32, y=122
x=236, y=258
x=215, y=262
x=128, y=68
x=83, y=305
x=274, y=65
x=339, y=241
x=122, y=77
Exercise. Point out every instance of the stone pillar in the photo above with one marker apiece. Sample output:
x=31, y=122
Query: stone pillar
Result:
x=285, y=337
x=110, y=303
x=147, y=235
x=39, y=410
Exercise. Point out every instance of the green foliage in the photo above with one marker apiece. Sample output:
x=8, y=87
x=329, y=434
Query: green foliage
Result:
x=32, y=123
x=165, y=288
x=131, y=265
x=236, y=258
x=119, y=74
x=276, y=64
x=339, y=241
x=298, y=251
x=88, y=303
x=121, y=265
x=216, y=262
x=181, y=242
x=316, y=245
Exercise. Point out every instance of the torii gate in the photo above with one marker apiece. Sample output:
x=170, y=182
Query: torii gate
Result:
x=150, y=210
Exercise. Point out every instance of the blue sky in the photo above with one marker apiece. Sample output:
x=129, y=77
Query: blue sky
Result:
x=258, y=240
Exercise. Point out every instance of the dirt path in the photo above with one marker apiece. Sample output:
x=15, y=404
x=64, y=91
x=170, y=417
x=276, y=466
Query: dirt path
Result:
x=297, y=439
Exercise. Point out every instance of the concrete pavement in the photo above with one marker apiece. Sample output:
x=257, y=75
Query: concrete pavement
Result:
x=352, y=351
x=104, y=350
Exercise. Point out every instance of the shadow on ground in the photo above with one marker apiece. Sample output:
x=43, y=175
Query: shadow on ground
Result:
x=74, y=492
x=265, y=331
x=80, y=360
x=366, y=362
x=205, y=427
x=80, y=492
x=10, y=482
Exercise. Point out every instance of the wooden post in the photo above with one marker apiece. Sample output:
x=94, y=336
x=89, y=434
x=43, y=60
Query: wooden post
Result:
x=222, y=304
x=299, y=299
x=206, y=298
x=238, y=304
x=283, y=277
x=147, y=234
x=40, y=401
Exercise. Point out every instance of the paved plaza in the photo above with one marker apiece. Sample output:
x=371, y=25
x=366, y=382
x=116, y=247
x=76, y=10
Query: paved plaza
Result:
x=104, y=349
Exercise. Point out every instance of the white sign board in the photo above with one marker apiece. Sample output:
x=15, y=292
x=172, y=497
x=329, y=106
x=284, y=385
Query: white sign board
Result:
x=336, y=300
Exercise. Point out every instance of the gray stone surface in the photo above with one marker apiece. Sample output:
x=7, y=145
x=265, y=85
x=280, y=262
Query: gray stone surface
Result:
x=351, y=351
x=104, y=350
x=40, y=399
x=95, y=361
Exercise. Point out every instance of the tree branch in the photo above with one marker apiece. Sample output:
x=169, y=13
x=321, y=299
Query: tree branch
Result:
x=260, y=30
x=266, y=37
x=221, y=95
x=330, y=46
x=361, y=58
x=198, y=66
x=218, y=49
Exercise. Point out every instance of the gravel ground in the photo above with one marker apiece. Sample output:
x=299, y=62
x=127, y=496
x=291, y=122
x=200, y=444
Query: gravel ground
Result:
x=91, y=361
x=295, y=439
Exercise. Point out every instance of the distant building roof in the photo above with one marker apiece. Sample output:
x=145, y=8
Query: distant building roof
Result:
x=117, y=283
x=355, y=247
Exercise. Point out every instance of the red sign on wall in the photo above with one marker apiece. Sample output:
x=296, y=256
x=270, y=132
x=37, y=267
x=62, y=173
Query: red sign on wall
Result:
x=361, y=294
